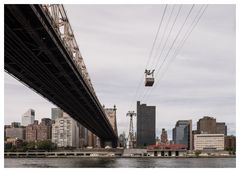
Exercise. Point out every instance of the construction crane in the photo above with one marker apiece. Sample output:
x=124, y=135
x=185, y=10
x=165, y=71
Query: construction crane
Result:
x=149, y=78
x=131, y=138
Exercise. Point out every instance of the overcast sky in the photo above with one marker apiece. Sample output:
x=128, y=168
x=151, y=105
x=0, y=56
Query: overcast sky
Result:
x=115, y=42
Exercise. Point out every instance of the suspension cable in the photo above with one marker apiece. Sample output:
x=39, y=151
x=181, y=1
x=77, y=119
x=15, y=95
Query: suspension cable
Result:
x=151, y=51
x=186, y=36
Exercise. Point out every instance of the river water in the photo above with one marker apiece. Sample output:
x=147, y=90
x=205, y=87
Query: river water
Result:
x=120, y=162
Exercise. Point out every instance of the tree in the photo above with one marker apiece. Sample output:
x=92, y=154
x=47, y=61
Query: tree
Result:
x=7, y=146
x=46, y=145
x=23, y=147
x=31, y=145
x=13, y=148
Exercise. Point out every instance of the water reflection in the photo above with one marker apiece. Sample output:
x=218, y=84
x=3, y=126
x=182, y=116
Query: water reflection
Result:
x=119, y=162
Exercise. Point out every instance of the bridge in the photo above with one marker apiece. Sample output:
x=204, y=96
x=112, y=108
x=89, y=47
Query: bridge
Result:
x=40, y=51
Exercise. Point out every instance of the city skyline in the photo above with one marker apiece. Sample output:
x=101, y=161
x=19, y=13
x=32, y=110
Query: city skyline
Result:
x=158, y=135
x=208, y=90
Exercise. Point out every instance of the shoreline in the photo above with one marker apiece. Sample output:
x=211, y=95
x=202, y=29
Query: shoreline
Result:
x=71, y=156
x=110, y=154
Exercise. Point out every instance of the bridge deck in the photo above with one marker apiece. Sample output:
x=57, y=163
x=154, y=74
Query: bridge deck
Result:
x=36, y=56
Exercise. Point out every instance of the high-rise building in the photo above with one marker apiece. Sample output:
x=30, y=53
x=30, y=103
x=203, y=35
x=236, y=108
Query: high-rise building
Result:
x=37, y=132
x=15, y=124
x=221, y=128
x=46, y=121
x=146, y=124
x=164, y=136
x=31, y=132
x=92, y=139
x=209, y=142
x=28, y=117
x=230, y=143
x=206, y=125
x=16, y=132
x=82, y=137
x=45, y=129
x=111, y=114
x=56, y=113
x=98, y=143
x=173, y=135
x=65, y=132
x=182, y=133
x=86, y=136
x=95, y=141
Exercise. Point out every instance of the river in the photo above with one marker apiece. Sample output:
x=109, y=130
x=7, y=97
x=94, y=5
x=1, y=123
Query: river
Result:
x=119, y=162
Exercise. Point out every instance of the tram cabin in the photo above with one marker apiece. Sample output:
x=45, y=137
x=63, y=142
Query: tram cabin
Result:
x=149, y=78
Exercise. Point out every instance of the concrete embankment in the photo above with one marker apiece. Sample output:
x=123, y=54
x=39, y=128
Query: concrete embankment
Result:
x=91, y=155
x=126, y=153
x=59, y=154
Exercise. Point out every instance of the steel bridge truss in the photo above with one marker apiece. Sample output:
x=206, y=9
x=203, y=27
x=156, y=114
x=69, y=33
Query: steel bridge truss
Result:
x=59, y=20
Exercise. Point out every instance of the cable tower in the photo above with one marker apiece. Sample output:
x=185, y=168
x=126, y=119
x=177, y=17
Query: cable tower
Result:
x=131, y=138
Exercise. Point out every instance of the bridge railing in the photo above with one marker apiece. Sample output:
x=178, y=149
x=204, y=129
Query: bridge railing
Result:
x=57, y=14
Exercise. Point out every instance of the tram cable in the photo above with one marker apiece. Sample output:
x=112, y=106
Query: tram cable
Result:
x=185, y=37
x=151, y=51
x=171, y=47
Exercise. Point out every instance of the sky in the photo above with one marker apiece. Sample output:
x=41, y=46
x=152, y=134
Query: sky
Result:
x=116, y=41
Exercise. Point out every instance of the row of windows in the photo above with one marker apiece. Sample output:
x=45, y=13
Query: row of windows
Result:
x=210, y=136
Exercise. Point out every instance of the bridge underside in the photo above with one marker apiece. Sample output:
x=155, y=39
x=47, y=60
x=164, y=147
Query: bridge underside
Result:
x=35, y=55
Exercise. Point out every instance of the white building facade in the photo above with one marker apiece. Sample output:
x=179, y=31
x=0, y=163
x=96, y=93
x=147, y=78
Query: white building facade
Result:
x=65, y=132
x=28, y=117
x=209, y=142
